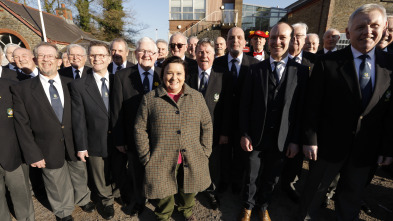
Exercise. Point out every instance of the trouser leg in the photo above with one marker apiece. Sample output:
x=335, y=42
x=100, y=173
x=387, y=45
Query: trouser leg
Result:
x=186, y=200
x=4, y=211
x=119, y=175
x=18, y=185
x=59, y=190
x=100, y=172
x=136, y=172
x=292, y=171
x=164, y=207
x=78, y=175
x=252, y=171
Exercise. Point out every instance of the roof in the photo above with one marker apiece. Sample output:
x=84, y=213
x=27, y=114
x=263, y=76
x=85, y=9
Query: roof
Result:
x=297, y=4
x=57, y=28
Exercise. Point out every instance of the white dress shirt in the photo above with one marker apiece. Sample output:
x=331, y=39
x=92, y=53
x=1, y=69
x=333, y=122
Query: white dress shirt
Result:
x=98, y=77
x=150, y=76
x=208, y=71
x=326, y=50
x=80, y=71
x=238, y=64
x=298, y=58
x=280, y=66
x=369, y=62
x=57, y=83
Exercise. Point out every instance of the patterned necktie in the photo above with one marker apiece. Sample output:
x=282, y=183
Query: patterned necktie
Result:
x=275, y=73
x=105, y=93
x=146, y=83
x=55, y=101
x=77, y=76
x=202, y=83
x=234, y=71
x=365, y=80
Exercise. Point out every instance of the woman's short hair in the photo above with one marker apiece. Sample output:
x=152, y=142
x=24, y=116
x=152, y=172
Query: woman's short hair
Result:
x=170, y=60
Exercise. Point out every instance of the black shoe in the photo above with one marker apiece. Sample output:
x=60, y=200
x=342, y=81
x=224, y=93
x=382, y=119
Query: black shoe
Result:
x=137, y=210
x=214, y=201
x=67, y=218
x=108, y=212
x=89, y=207
x=119, y=201
x=365, y=208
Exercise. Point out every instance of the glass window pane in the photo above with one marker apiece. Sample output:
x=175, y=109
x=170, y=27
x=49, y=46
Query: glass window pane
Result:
x=187, y=9
x=187, y=16
x=199, y=16
x=175, y=16
x=175, y=9
x=187, y=3
x=175, y=3
x=199, y=4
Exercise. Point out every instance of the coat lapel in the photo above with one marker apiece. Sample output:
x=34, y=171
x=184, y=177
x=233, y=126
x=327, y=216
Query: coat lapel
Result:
x=136, y=80
x=156, y=78
x=348, y=71
x=92, y=90
x=41, y=98
x=211, y=83
x=265, y=75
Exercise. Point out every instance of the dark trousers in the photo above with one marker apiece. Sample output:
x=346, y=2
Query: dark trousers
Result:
x=292, y=171
x=232, y=162
x=186, y=201
x=18, y=185
x=259, y=185
x=350, y=187
x=119, y=175
x=136, y=172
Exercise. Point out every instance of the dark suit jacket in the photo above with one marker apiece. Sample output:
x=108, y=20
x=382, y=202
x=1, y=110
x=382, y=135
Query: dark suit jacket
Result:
x=110, y=66
x=333, y=115
x=221, y=64
x=320, y=52
x=253, y=105
x=218, y=100
x=126, y=96
x=9, y=74
x=90, y=119
x=67, y=72
x=39, y=131
x=251, y=54
x=308, y=60
x=10, y=155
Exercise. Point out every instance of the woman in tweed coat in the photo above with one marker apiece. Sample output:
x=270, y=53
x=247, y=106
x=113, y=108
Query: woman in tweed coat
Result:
x=173, y=136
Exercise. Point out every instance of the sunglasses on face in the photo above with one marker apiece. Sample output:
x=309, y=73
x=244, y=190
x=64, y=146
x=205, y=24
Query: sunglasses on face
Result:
x=179, y=45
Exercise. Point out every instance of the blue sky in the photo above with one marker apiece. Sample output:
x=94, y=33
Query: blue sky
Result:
x=155, y=14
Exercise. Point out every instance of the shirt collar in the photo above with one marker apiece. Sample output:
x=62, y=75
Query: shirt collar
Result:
x=141, y=71
x=123, y=65
x=80, y=70
x=98, y=77
x=44, y=78
x=239, y=58
x=326, y=50
x=208, y=71
x=357, y=53
x=283, y=61
x=299, y=56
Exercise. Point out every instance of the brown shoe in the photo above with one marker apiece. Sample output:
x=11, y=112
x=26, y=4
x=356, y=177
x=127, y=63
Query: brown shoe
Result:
x=245, y=215
x=264, y=215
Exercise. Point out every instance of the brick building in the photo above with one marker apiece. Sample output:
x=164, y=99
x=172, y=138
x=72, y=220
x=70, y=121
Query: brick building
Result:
x=21, y=24
x=320, y=15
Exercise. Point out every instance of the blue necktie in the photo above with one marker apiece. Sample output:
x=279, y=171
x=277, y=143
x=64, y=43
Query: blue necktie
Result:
x=365, y=80
x=55, y=101
x=202, y=83
x=105, y=93
x=146, y=83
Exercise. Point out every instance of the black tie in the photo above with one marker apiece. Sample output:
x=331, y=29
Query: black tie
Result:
x=118, y=68
x=146, y=83
x=328, y=52
x=105, y=93
x=202, y=83
x=55, y=101
x=234, y=71
x=365, y=80
x=77, y=76
x=275, y=73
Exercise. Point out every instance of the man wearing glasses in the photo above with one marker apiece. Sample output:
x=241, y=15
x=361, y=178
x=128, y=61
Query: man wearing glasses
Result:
x=42, y=110
x=77, y=57
x=129, y=86
x=178, y=46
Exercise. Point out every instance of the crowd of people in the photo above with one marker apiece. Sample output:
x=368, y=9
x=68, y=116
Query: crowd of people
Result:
x=207, y=119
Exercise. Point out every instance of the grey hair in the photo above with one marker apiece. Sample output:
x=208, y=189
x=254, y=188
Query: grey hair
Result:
x=175, y=34
x=146, y=39
x=119, y=40
x=35, y=50
x=302, y=25
x=205, y=41
x=367, y=8
x=162, y=41
x=10, y=45
x=75, y=46
x=189, y=39
x=330, y=30
x=313, y=34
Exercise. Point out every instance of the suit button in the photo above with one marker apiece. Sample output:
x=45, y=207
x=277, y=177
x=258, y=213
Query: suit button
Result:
x=177, y=112
x=62, y=126
x=183, y=150
x=109, y=131
x=361, y=117
x=62, y=140
x=178, y=132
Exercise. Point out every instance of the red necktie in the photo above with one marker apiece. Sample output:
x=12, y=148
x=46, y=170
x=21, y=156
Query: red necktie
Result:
x=256, y=53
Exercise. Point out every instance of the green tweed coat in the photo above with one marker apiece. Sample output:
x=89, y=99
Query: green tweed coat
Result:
x=162, y=129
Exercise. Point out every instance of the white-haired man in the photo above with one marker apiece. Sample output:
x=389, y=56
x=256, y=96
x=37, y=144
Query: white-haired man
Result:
x=312, y=43
x=77, y=57
x=330, y=40
x=8, y=51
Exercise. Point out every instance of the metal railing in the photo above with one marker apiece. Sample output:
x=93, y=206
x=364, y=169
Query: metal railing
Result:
x=222, y=17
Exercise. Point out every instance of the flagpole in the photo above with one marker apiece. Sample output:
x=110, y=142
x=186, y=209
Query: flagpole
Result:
x=42, y=21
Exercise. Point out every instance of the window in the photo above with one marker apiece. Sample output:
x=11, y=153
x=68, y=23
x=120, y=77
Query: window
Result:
x=187, y=9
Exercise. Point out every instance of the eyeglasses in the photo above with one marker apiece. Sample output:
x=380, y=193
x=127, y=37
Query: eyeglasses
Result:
x=179, y=45
x=48, y=56
x=76, y=55
x=97, y=56
x=148, y=53
x=300, y=36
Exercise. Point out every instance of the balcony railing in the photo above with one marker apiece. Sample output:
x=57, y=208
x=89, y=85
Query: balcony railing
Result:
x=222, y=17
